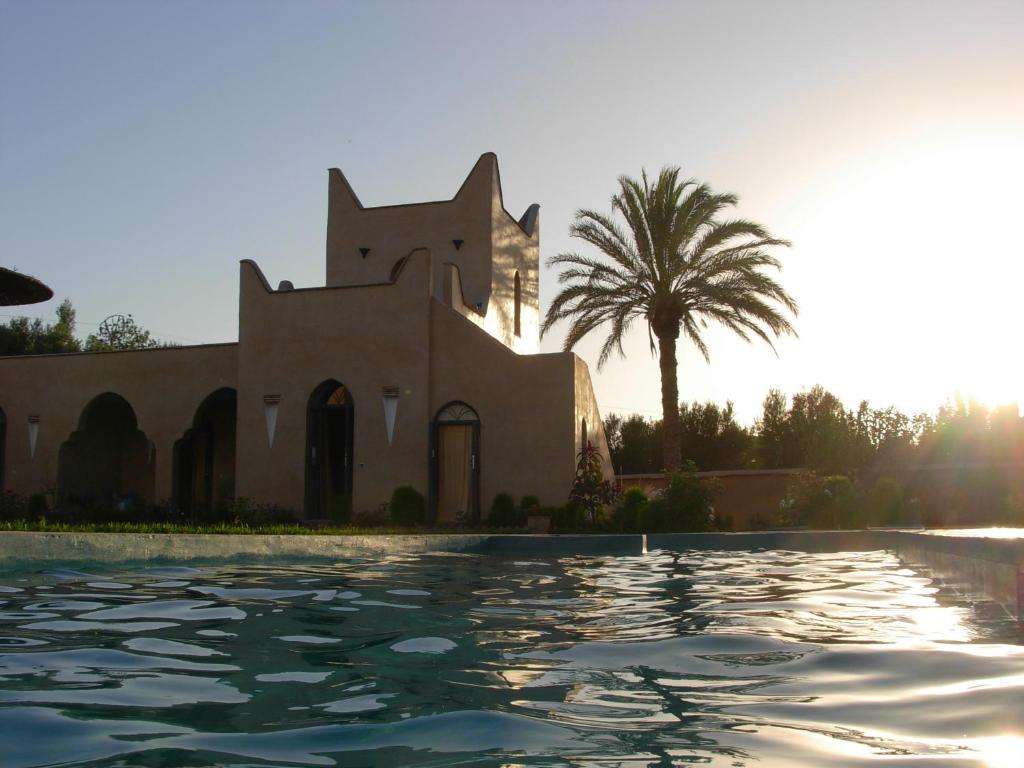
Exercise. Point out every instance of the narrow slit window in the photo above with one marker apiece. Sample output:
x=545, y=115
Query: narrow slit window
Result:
x=518, y=323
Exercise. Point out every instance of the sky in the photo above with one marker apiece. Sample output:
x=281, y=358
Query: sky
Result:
x=145, y=148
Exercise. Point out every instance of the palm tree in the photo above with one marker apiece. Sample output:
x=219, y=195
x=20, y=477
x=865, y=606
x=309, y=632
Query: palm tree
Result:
x=678, y=266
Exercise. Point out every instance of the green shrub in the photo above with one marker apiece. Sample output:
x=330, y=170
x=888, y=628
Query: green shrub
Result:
x=408, y=506
x=371, y=518
x=823, y=502
x=626, y=516
x=245, y=511
x=759, y=521
x=503, y=512
x=37, y=507
x=340, y=512
x=567, y=518
x=684, y=505
x=591, y=493
x=885, y=503
x=13, y=506
x=843, y=508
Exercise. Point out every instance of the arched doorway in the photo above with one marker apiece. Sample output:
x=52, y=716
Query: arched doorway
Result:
x=455, y=464
x=329, y=436
x=107, y=464
x=204, y=457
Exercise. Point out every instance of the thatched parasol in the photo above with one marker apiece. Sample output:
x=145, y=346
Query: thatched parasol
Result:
x=16, y=288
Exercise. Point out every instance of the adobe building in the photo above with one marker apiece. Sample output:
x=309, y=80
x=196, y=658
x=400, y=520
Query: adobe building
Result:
x=416, y=364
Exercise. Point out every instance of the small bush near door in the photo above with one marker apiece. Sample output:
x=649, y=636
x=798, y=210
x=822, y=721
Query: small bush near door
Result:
x=408, y=507
x=503, y=512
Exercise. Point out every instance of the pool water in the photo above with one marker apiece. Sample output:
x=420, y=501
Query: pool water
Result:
x=726, y=659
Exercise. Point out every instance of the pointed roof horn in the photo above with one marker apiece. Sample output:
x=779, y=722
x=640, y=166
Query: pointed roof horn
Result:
x=340, y=192
x=528, y=221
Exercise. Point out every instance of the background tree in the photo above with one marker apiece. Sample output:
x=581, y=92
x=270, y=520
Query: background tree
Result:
x=774, y=441
x=677, y=266
x=634, y=444
x=22, y=336
x=120, y=332
x=817, y=432
x=711, y=437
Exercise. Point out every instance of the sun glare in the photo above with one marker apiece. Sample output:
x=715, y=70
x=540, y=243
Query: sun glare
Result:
x=917, y=236
x=1001, y=751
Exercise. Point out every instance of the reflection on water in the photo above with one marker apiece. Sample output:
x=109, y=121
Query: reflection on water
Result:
x=712, y=658
x=980, y=533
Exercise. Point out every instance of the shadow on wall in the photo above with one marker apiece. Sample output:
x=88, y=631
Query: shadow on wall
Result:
x=107, y=462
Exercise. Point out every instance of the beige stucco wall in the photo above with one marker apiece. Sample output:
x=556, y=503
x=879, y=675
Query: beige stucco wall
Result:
x=494, y=247
x=163, y=386
x=586, y=408
x=525, y=405
x=366, y=338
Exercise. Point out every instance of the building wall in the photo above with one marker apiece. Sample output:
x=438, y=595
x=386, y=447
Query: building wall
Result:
x=494, y=247
x=525, y=404
x=366, y=338
x=163, y=386
x=586, y=410
x=744, y=495
x=437, y=328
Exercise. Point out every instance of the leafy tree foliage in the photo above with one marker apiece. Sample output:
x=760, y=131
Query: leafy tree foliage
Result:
x=120, y=332
x=712, y=438
x=634, y=444
x=710, y=435
x=685, y=504
x=814, y=430
x=22, y=336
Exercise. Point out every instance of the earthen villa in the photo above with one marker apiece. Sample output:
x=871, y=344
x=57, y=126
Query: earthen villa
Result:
x=416, y=364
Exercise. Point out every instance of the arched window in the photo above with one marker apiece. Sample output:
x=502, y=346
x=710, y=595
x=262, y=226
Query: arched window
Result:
x=455, y=464
x=457, y=411
x=517, y=289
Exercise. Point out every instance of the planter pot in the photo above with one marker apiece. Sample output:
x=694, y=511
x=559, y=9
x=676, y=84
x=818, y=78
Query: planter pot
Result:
x=538, y=523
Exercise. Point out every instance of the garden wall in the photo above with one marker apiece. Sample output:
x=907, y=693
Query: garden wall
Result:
x=939, y=495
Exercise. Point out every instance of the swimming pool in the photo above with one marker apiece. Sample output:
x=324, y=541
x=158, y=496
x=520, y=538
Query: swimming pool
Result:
x=670, y=658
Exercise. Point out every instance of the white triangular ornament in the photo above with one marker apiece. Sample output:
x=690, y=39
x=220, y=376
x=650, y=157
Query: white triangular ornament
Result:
x=390, y=411
x=270, y=411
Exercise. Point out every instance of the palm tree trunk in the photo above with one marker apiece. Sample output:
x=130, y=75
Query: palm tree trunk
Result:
x=671, y=439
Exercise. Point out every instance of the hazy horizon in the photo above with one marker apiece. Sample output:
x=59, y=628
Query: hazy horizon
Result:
x=146, y=148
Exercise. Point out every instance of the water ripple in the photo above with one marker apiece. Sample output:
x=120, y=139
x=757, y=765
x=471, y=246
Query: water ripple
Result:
x=722, y=658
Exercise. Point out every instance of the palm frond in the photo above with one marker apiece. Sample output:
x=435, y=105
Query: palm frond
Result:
x=666, y=254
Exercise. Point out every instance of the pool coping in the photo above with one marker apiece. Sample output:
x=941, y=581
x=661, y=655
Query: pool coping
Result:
x=993, y=567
